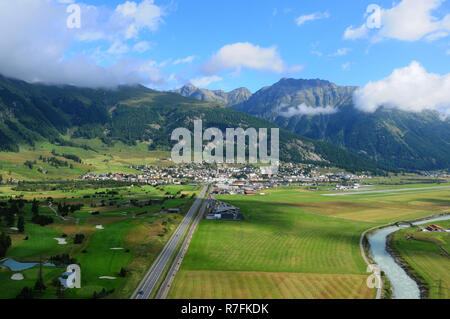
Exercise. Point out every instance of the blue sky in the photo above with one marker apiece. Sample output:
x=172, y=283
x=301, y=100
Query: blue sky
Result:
x=200, y=28
x=233, y=43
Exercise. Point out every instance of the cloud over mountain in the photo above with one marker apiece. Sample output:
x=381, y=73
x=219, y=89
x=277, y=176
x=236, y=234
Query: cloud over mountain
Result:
x=410, y=88
x=304, y=109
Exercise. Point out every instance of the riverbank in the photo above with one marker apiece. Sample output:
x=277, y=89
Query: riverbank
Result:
x=420, y=281
x=385, y=291
x=366, y=251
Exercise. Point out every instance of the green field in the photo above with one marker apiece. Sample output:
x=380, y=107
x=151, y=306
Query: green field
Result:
x=141, y=231
x=293, y=236
x=97, y=158
x=425, y=254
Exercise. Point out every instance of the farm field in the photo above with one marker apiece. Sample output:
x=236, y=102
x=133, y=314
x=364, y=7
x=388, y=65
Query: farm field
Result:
x=269, y=285
x=423, y=254
x=132, y=233
x=298, y=234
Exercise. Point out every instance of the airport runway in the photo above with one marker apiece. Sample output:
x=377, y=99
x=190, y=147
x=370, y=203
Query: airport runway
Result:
x=386, y=191
x=155, y=272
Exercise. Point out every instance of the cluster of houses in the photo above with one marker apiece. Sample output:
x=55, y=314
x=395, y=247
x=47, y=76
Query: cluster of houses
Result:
x=434, y=228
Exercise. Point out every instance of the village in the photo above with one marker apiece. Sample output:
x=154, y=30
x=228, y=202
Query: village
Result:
x=231, y=179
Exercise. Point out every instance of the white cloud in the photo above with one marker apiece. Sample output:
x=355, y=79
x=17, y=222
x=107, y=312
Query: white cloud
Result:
x=311, y=17
x=294, y=69
x=118, y=48
x=34, y=47
x=245, y=55
x=90, y=36
x=304, y=109
x=142, y=47
x=188, y=59
x=135, y=17
x=409, y=20
x=341, y=52
x=346, y=66
x=447, y=52
x=352, y=33
x=436, y=35
x=409, y=89
x=205, y=81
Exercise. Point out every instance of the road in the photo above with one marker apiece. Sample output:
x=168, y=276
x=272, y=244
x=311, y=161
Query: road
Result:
x=166, y=285
x=155, y=272
x=55, y=212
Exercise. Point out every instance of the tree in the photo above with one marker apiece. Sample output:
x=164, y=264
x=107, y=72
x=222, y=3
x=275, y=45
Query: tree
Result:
x=25, y=293
x=123, y=272
x=78, y=239
x=5, y=243
x=39, y=285
x=21, y=224
x=14, y=208
x=59, y=289
x=9, y=218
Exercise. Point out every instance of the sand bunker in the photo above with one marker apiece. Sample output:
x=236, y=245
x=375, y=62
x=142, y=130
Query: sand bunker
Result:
x=107, y=277
x=18, y=276
x=14, y=228
x=61, y=241
x=99, y=227
x=118, y=248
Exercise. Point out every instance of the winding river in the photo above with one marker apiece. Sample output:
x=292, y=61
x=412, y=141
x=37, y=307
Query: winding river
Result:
x=404, y=287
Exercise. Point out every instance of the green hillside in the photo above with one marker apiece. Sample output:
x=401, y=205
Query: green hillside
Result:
x=99, y=123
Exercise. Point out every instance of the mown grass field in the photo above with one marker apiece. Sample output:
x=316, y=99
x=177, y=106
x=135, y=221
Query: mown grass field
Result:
x=423, y=254
x=296, y=236
x=140, y=231
x=265, y=285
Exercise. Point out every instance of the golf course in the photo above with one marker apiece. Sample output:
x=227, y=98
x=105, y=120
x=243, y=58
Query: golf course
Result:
x=114, y=234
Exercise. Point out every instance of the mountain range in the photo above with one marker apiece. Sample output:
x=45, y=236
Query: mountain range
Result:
x=324, y=111
x=30, y=113
x=229, y=98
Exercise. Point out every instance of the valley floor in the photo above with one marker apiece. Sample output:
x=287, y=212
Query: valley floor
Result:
x=295, y=243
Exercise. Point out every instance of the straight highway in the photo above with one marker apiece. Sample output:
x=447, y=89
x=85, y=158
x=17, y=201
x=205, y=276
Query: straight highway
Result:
x=155, y=272
x=166, y=285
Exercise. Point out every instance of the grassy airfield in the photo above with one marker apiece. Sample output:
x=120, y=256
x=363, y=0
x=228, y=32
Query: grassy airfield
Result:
x=295, y=243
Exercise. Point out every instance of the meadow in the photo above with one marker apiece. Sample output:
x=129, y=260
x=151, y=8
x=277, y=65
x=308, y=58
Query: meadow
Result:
x=96, y=158
x=293, y=243
x=427, y=255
